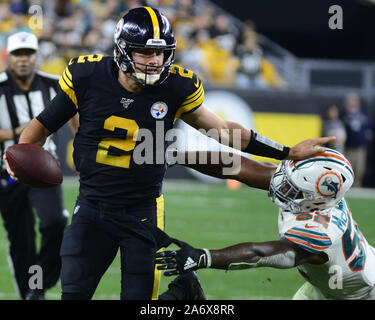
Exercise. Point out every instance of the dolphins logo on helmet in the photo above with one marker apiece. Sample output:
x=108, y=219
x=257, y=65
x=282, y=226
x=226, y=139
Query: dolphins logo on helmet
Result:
x=316, y=183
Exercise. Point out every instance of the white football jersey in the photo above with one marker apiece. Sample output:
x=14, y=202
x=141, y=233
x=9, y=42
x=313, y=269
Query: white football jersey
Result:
x=349, y=272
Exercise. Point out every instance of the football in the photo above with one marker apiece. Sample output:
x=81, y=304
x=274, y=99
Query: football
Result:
x=34, y=165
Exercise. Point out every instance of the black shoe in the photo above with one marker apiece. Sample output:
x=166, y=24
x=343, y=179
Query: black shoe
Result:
x=190, y=285
x=35, y=294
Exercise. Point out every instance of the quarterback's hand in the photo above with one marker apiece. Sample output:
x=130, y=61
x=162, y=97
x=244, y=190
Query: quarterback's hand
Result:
x=182, y=261
x=10, y=172
x=308, y=148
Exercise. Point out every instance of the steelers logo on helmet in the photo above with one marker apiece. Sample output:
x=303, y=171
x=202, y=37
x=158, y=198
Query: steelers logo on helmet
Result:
x=329, y=184
x=159, y=110
x=118, y=29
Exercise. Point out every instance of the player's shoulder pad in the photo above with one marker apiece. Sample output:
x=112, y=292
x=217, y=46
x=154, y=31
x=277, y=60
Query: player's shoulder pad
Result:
x=340, y=218
x=309, y=235
x=187, y=80
x=78, y=69
x=82, y=66
x=189, y=87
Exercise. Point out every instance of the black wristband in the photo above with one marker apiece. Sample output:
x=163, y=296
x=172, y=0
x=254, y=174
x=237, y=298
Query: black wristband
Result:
x=262, y=146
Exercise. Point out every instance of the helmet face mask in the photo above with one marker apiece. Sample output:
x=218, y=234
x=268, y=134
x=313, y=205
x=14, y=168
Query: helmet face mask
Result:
x=144, y=28
x=317, y=183
x=285, y=194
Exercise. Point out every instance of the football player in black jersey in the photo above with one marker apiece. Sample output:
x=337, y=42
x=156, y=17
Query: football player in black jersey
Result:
x=120, y=203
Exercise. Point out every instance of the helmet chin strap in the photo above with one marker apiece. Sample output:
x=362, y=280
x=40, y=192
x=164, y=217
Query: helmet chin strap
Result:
x=147, y=79
x=142, y=78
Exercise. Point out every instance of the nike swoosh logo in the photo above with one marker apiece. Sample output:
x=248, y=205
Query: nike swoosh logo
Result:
x=196, y=83
x=309, y=226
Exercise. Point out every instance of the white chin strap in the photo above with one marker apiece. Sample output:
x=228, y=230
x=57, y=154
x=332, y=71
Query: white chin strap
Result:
x=148, y=79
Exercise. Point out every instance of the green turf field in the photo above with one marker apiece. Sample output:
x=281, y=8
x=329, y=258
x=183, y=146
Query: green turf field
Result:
x=210, y=215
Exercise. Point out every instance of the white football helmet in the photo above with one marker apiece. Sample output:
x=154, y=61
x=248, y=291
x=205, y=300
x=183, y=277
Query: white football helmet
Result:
x=316, y=183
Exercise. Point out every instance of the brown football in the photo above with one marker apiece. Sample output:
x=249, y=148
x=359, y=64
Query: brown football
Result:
x=34, y=165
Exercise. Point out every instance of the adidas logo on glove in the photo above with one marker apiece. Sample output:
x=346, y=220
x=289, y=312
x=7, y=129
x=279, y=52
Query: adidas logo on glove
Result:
x=190, y=263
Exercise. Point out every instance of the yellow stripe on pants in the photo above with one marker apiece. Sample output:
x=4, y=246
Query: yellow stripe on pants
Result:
x=160, y=225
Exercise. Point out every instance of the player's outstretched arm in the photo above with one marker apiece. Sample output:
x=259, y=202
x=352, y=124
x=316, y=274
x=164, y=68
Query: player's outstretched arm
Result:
x=280, y=254
x=234, y=135
x=253, y=173
x=217, y=128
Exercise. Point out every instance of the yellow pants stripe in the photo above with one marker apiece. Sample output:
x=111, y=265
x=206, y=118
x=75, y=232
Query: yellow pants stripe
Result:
x=160, y=224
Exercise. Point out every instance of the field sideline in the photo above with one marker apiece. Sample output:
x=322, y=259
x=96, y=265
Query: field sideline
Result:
x=210, y=215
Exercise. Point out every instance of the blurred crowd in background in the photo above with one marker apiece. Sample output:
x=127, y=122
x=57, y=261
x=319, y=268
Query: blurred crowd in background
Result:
x=208, y=41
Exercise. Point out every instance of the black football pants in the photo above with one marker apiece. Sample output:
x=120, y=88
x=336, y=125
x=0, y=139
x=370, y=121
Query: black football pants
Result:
x=16, y=204
x=92, y=241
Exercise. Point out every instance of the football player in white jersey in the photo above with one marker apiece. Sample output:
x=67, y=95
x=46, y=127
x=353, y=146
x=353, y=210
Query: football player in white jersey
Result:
x=317, y=233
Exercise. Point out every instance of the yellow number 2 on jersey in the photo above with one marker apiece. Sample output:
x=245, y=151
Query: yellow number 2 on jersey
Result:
x=126, y=144
x=186, y=73
x=90, y=58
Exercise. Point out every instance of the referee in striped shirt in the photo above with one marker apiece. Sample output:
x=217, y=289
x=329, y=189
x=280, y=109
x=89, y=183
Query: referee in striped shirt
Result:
x=24, y=92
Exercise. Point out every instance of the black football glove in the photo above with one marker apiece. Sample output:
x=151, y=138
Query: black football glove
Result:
x=184, y=260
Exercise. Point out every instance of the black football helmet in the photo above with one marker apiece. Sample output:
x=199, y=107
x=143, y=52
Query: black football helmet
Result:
x=144, y=28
